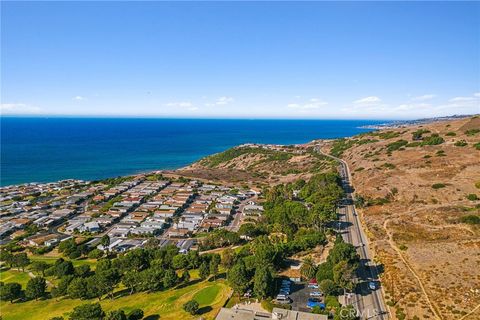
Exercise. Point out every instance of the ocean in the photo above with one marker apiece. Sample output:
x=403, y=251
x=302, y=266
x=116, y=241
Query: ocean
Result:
x=51, y=149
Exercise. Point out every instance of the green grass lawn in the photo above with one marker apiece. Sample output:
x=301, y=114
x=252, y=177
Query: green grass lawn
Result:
x=167, y=304
x=15, y=276
x=51, y=259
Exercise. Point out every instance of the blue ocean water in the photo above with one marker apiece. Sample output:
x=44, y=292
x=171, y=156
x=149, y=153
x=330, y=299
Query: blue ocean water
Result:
x=50, y=149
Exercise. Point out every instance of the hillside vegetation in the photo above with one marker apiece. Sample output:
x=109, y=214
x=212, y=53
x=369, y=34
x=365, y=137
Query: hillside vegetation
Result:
x=418, y=188
x=259, y=165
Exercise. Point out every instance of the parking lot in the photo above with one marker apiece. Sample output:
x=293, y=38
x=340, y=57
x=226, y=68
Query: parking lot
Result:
x=299, y=295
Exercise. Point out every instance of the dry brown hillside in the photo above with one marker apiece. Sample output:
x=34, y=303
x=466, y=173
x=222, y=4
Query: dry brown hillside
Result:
x=259, y=165
x=420, y=209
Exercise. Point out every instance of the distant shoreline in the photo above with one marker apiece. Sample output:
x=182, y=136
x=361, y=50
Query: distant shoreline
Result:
x=403, y=123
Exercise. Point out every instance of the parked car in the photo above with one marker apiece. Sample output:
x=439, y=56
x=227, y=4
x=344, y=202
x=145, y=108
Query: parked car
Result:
x=283, y=299
x=316, y=294
x=372, y=285
x=313, y=284
x=285, y=291
x=313, y=302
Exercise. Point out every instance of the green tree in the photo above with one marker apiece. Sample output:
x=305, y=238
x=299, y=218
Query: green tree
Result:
x=95, y=254
x=10, y=291
x=107, y=280
x=263, y=282
x=204, y=270
x=327, y=286
x=89, y=311
x=170, y=278
x=63, y=268
x=214, y=268
x=343, y=274
x=180, y=261
x=308, y=269
x=185, y=276
x=77, y=288
x=237, y=277
x=105, y=242
x=36, y=288
x=135, y=314
x=21, y=260
x=7, y=257
x=116, y=315
x=191, y=307
x=39, y=267
x=228, y=258
x=324, y=271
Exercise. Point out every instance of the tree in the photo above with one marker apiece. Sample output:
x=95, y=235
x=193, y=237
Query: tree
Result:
x=324, y=271
x=95, y=254
x=63, y=268
x=57, y=318
x=185, y=276
x=105, y=242
x=135, y=314
x=170, y=278
x=77, y=288
x=62, y=287
x=83, y=271
x=191, y=307
x=228, y=258
x=263, y=282
x=107, y=280
x=7, y=257
x=67, y=247
x=39, y=267
x=327, y=286
x=204, y=270
x=87, y=311
x=237, y=277
x=343, y=275
x=36, y=288
x=10, y=291
x=131, y=280
x=214, y=268
x=180, y=261
x=308, y=269
x=21, y=260
x=116, y=315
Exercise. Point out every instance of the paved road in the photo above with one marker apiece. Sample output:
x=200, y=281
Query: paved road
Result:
x=235, y=224
x=369, y=303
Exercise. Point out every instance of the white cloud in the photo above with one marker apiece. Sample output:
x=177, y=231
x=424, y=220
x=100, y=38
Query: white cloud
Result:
x=477, y=94
x=368, y=100
x=18, y=108
x=462, y=99
x=79, y=98
x=180, y=104
x=311, y=104
x=221, y=101
x=424, y=97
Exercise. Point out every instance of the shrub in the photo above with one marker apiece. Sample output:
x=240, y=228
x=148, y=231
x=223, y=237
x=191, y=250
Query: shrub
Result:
x=388, y=165
x=432, y=140
x=191, y=307
x=470, y=219
x=477, y=145
x=451, y=134
x=472, y=197
x=403, y=247
x=396, y=145
x=438, y=186
x=472, y=132
x=460, y=143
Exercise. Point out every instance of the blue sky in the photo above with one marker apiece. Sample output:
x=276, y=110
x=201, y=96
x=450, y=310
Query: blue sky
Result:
x=371, y=60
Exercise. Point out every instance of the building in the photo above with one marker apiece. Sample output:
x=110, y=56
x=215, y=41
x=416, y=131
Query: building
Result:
x=277, y=314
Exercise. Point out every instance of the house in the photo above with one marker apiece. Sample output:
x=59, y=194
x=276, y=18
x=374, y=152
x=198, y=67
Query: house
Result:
x=43, y=240
x=92, y=226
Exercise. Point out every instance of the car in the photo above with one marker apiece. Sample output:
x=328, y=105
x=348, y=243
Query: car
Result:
x=285, y=291
x=313, y=302
x=282, y=299
x=372, y=285
x=286, y=281
x=316, y=294
x=313, y=286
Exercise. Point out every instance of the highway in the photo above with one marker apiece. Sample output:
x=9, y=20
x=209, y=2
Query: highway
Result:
x=369, y=303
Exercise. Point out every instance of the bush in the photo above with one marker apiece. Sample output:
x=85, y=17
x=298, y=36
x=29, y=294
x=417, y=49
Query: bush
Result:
x=191, y=307
x=396, y=145
x=472, y=197
x=477, y=145
x=135, y=314
x=470, y=219
x=434, y=139
x=472, y=132
x=437, y=186
x=451, y=134
x=460, y=143
x=388, y=165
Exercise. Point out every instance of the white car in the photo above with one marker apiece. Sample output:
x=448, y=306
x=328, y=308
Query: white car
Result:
x=316, y=294
x=372, y=285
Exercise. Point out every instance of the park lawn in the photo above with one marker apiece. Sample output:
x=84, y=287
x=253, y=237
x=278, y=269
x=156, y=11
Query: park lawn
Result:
x=167, y=304
x=15, y=276
x=51, y=259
